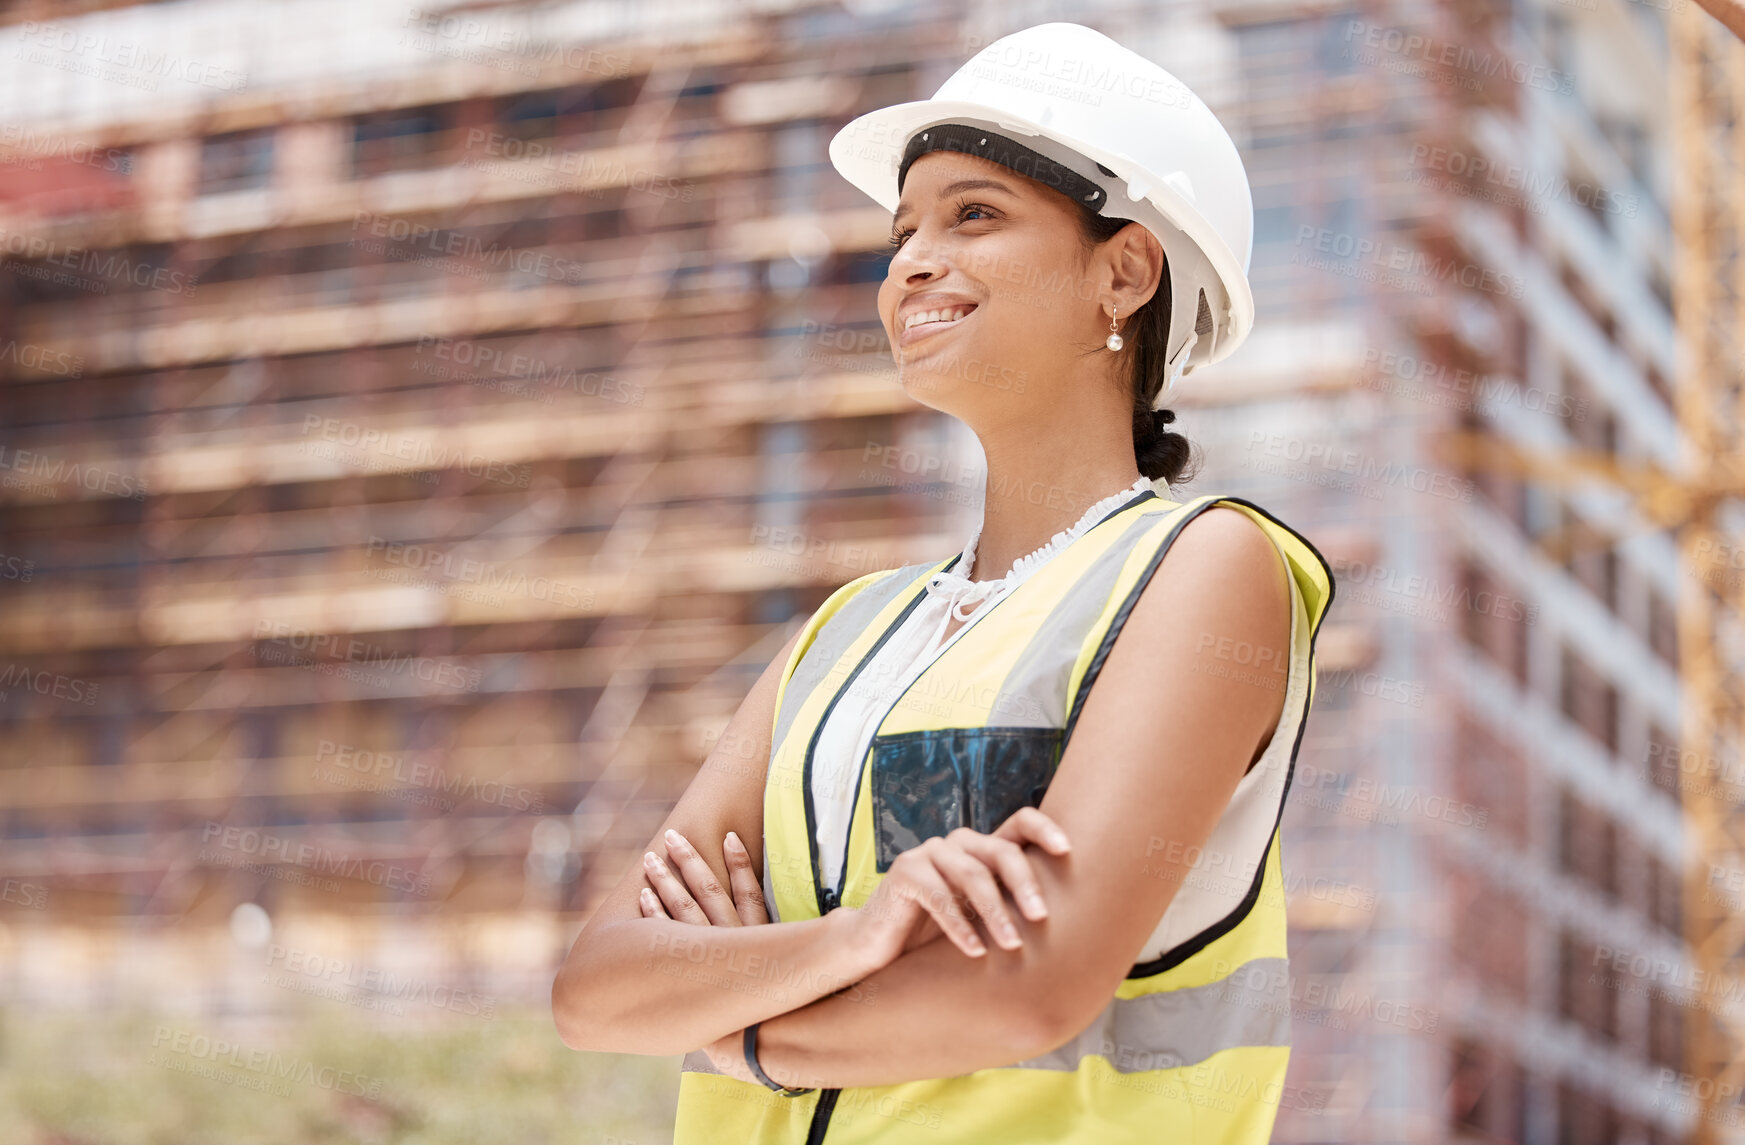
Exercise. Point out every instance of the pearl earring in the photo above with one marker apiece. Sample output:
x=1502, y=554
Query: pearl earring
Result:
x=1113, y=341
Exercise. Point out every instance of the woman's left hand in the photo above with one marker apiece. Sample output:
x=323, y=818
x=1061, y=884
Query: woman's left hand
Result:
x=698, y=896
x=693, y=894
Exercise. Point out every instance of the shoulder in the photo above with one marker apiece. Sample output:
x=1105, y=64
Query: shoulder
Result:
x=1211, y=631
x=1223, y=576
x=1230, y=541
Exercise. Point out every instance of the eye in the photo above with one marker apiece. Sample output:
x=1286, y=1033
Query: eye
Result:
x=961, y=209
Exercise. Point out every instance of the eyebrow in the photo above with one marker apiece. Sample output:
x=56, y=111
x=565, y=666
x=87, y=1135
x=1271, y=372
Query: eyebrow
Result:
x=952, y=189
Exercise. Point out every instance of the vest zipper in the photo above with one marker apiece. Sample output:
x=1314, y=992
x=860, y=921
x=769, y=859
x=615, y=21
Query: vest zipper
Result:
x=829, y=898
x=826, y=1098
x=821, y=1116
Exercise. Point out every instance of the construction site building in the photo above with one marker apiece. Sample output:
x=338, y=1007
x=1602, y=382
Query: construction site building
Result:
x=423, y=425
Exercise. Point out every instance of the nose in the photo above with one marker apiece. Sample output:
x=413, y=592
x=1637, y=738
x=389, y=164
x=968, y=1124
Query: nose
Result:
x=917, y=260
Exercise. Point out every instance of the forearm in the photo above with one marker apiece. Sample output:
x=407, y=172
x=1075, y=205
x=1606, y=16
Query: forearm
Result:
x=656, y=986
x=934, y=1012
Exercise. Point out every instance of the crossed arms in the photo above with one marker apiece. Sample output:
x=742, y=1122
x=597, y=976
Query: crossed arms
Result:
x=874, y=996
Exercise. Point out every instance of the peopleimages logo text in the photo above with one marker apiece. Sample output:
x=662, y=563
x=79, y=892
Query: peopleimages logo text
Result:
x=27, y=467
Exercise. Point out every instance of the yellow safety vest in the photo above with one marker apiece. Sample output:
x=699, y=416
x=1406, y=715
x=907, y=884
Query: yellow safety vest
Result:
x=1194, y=1043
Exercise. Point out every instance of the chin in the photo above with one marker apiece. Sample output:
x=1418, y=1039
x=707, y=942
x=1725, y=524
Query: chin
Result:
x=920, y=384
x=942, y=392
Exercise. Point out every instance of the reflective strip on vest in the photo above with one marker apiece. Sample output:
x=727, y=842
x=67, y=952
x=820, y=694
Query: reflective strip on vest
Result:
x=1194, y=1043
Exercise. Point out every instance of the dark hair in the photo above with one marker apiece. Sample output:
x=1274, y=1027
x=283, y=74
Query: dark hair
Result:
x=1160, y=451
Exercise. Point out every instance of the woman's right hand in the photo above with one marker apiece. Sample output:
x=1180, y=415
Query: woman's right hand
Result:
x=945, y=883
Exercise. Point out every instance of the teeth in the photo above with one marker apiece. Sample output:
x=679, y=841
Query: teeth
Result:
x=937, y=316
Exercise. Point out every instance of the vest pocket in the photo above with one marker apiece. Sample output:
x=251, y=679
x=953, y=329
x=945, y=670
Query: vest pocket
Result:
x=929, y=783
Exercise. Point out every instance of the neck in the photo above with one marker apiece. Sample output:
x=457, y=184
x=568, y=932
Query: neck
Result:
x=1051, y=454
x=1037, y=489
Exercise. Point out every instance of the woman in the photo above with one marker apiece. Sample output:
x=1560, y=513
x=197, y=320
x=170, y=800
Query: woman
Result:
x=822, y=925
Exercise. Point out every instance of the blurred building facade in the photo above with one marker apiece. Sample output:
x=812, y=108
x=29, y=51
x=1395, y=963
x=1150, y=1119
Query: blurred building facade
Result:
x=423, y=425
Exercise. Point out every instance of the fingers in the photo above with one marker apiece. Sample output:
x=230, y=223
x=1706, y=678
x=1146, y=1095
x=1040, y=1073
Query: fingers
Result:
x=958, y=871
x=970, y=875
x=1031, y=825
x=680, y=906
x=1008, y=860
x=650, y=904
x=716, y=904
x=747, y=890
x=922, y=881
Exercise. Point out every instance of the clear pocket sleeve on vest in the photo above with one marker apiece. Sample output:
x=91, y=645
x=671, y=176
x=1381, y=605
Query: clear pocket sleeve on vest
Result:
x=930, y=783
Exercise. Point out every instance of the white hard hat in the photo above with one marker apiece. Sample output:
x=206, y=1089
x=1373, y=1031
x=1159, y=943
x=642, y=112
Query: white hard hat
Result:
x=1095, y=119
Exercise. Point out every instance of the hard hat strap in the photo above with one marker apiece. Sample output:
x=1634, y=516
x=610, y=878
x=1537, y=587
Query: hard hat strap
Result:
x=1006, y=152
x=1173, y=369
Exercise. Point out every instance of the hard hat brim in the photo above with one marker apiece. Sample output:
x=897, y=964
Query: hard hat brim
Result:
x=869, y=148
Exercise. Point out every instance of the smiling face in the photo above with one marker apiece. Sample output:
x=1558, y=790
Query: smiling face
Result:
x=1008, y=298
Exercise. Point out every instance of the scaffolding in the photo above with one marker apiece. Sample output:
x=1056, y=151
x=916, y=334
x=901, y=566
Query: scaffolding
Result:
x=419, y=449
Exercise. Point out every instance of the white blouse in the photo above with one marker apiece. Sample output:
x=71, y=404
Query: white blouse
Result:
x=846, y=736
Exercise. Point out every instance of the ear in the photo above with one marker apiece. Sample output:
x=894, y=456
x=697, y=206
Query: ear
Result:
x=1136, y=266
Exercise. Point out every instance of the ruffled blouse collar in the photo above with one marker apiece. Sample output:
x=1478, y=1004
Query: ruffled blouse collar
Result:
x=959, y=590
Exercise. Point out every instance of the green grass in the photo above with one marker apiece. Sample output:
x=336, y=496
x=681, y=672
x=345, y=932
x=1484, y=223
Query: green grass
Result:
x=86, y=1080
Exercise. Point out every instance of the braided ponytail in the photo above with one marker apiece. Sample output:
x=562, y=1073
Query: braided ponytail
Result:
x=1159, y=451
